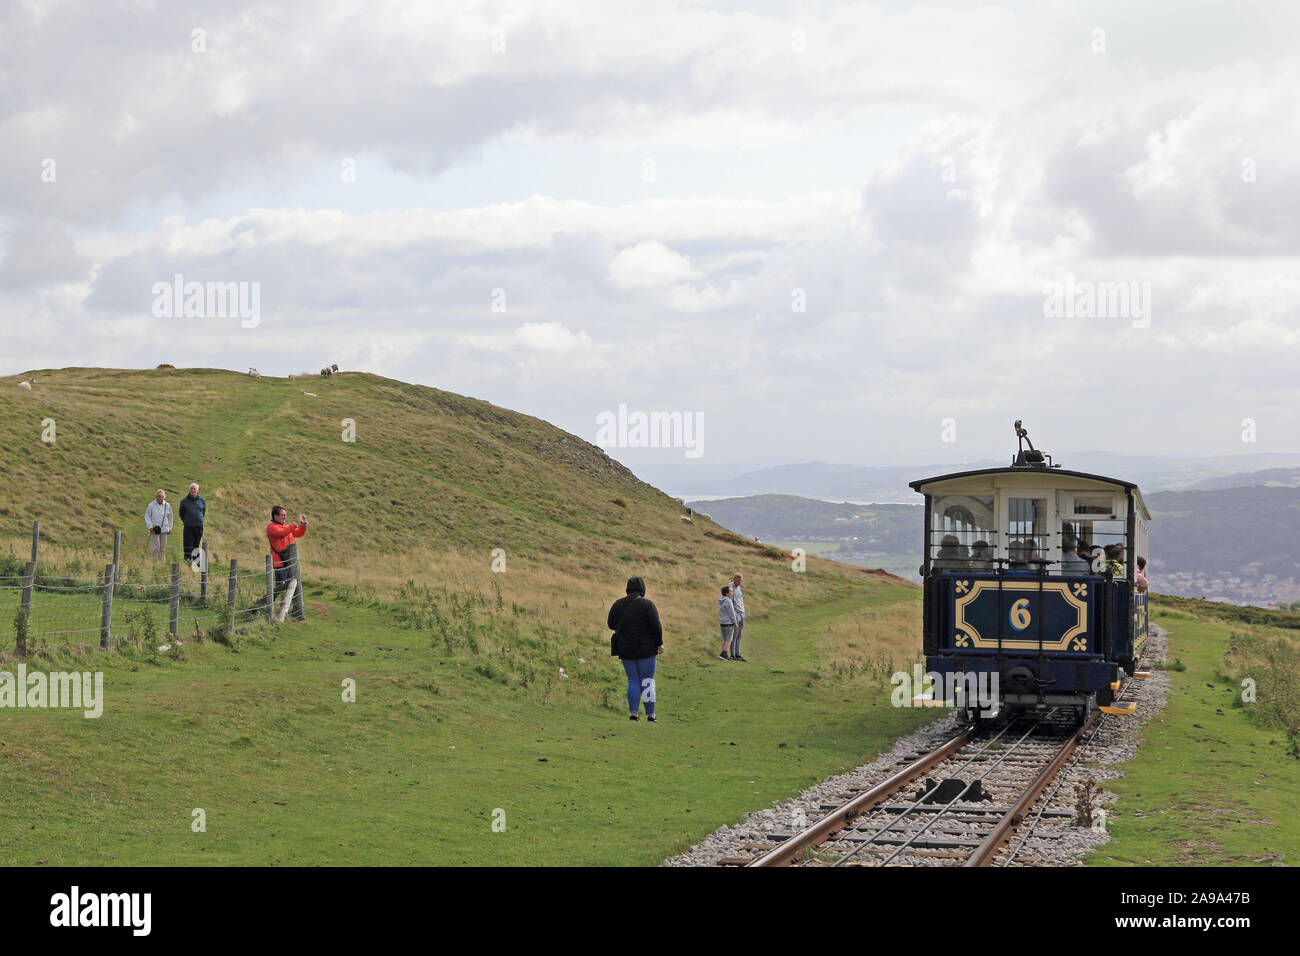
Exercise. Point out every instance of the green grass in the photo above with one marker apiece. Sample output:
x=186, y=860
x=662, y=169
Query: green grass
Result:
x=1223, y=792
x=412, y=772
x=457, y=667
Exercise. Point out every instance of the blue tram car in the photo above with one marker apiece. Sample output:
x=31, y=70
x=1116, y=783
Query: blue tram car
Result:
x=1032, y=584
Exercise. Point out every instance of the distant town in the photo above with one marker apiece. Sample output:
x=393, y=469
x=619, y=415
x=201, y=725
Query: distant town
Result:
x=1250, y=585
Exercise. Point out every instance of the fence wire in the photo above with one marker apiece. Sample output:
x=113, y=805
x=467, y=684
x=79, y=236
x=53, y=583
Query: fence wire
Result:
x=70, y=609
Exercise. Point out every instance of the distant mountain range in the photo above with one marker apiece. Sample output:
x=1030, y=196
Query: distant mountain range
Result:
x=885, y=528
x=889, y=483
x=1270, y=478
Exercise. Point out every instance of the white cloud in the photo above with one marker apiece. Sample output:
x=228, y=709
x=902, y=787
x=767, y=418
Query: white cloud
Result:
x=532, y=336
x=647, y=265
x=914, y=175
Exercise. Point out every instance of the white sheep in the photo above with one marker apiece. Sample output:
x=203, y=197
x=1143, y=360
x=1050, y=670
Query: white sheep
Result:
x=304, y=391
x=25, y=386
x=254, y=373
x=687, y=519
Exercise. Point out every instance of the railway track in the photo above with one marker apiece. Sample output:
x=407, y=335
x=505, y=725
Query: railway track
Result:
x=961, y=804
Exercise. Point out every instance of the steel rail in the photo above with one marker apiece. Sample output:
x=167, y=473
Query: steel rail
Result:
x=922, y=798
x=984, y=854
x=949, y=805
x=1097, y=722
x=838, y=818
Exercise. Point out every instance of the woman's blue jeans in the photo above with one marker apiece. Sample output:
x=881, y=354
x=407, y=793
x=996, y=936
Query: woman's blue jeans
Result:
x=640, y=684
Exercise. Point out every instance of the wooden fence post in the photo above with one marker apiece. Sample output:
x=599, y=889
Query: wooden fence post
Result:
x=29, y=578
x=203, y=575
x=117, y=555
x=234, y=583
x=270, y=589
x=106, y=618
x=174, y=620
x=36, y=538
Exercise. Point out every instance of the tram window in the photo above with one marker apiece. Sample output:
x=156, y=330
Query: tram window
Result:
x=1094, y=534
x=1094, y=505
x=959, y=525
x=1027, y=534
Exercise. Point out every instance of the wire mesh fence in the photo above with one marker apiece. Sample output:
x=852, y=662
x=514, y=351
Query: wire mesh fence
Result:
x=53, y=607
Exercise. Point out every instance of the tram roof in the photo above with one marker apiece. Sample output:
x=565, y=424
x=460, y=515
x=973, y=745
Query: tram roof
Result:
x=1046, y=473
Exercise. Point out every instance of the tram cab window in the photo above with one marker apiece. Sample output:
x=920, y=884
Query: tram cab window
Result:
x=962, y=533
x=1027, y=533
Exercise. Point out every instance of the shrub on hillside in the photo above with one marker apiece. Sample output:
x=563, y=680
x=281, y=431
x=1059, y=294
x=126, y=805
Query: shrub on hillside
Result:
x=222, y=629
x=1274, y=666
x=11, y=566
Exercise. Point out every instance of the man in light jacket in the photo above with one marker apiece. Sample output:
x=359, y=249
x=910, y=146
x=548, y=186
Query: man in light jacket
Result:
x=738, y=601
x=158, y=522
x=727, y=621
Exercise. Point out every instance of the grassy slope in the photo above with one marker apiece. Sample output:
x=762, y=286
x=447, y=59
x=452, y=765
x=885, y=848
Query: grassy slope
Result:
x=1210, y=783
x=451, y=719
x=411, y=773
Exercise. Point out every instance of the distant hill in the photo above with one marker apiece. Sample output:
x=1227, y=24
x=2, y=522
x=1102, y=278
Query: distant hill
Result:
x=886, y=528
x=1227, y=530
x=825, y=480
x=1270, y=477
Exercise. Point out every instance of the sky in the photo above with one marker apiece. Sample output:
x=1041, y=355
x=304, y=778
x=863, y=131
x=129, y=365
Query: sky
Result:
x=857, y=232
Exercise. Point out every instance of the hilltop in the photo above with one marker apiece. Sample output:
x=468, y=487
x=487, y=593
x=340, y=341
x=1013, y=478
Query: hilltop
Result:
x=428, y=471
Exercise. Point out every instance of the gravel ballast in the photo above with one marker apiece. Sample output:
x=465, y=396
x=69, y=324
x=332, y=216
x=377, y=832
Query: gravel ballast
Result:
x=1056, y=841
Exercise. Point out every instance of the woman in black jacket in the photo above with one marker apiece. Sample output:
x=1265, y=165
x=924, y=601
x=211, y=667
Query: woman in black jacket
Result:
x=638, y=637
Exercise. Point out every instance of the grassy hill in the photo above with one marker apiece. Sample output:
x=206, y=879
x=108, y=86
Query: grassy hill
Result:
x=460, y=706
x=1228, y=530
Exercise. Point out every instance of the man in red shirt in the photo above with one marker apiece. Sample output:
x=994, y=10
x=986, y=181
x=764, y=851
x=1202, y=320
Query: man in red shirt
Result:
x=280, y=536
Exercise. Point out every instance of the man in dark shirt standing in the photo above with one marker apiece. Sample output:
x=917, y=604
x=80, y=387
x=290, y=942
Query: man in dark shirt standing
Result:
x=193, y=510
x=638, y=638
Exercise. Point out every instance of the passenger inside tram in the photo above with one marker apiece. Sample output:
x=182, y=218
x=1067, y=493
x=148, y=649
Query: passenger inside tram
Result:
x=981, y=556
x=948, y=557
x=1071, y=563
x=1022, y=552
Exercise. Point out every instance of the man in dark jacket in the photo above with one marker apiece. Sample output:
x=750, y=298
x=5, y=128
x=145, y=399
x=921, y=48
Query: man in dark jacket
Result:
x=193, y=509
x=638, y=637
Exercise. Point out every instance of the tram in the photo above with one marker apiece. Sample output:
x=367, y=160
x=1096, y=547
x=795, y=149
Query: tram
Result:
x=1033, y=584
